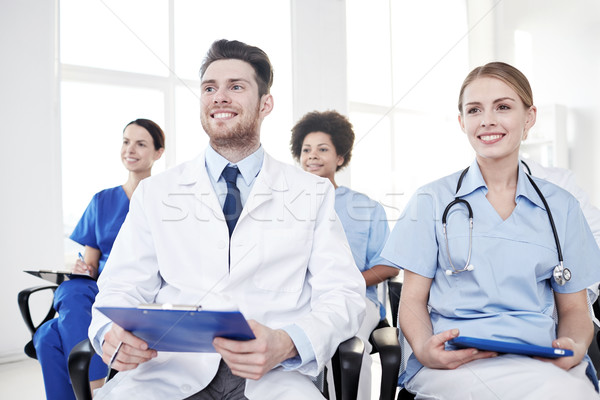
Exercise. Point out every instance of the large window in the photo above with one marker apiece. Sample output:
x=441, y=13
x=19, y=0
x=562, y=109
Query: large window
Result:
x=122, y=60
x=404, y=74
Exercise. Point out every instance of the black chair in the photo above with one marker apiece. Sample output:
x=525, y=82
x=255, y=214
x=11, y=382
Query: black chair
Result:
x=346, y=363
x=384, y=340
x=23, y=300
x=594, y=349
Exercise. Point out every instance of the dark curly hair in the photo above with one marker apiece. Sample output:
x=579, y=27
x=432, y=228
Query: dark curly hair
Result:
x=337, y=126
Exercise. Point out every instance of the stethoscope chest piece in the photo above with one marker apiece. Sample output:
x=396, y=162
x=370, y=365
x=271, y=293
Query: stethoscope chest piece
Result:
x=561, y=274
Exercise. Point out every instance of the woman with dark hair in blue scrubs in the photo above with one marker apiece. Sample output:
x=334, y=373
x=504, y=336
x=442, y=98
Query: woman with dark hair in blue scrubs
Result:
x=143, y=144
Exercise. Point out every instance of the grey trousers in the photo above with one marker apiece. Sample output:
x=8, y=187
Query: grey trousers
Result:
x=224, y=385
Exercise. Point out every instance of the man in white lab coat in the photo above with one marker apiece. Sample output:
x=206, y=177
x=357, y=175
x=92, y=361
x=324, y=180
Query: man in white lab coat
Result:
x=285, y=264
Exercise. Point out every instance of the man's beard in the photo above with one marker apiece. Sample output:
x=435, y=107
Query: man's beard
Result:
x=244, y=134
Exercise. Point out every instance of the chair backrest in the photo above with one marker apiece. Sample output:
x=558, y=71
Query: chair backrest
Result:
x=594, y=349
x=406, y=350
x=384, y=339
x=394, y=290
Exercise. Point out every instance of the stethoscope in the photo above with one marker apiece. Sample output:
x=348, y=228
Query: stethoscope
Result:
x=561, y=274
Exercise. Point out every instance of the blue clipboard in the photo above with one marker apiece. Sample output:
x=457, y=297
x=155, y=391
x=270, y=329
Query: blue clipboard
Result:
x=499, y=346
x=180, y=328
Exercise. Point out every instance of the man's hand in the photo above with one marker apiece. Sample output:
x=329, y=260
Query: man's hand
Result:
x=434, y=355
x=254, y=358
x=133, y=352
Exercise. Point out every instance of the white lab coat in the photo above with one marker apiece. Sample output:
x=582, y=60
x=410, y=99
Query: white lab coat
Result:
x=290, y=265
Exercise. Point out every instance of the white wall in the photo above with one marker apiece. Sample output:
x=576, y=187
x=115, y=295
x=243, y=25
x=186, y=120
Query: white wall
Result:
x=565, y=66
x=565, y=70
x=30, y=205
x=319, y=60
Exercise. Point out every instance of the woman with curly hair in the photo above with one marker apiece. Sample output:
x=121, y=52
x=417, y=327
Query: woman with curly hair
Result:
x=322, y=142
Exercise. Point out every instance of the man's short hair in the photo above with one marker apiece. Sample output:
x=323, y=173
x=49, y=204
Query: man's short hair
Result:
x=232, y=49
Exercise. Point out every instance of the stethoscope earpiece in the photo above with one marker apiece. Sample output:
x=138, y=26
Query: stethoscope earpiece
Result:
x=469, y=267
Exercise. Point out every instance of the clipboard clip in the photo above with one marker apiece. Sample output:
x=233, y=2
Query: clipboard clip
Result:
x=169, y=306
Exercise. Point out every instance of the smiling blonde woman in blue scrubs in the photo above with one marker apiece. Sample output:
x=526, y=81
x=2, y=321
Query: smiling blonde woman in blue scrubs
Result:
x=509, y=292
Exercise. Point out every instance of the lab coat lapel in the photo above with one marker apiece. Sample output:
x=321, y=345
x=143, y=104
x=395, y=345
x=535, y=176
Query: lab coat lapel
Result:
x=196, y=179
x=270, y=180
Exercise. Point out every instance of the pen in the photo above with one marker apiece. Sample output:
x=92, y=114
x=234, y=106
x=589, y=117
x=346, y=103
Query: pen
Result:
x=82, y=260
x=112, y=360
x=88, y=272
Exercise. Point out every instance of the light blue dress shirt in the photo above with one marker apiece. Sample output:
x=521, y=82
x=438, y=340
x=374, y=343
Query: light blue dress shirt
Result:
x=367, y=230
x=249, y=168
x=508, y=296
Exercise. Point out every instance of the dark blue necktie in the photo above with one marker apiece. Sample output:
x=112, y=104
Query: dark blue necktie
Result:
x=233, y=202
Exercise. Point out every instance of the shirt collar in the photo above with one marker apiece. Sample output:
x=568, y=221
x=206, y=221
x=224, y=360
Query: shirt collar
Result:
x=473, y=180
x=526, y=189
x=249, y=167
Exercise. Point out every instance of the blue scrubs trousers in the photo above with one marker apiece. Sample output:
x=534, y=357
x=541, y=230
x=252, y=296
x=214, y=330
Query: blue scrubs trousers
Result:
x=54, y=340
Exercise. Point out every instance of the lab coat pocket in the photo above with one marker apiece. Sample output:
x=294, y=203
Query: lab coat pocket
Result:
x=285, y=253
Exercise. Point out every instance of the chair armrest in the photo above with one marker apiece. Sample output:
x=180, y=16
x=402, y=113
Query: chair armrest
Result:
x=346, y=363
x=385, y=342
x=23, y=300
x=405, y=395
x=79, y=366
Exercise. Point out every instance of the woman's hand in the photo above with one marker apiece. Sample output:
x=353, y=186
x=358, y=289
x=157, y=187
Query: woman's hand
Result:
x=433, y=354
x=88, y=264
x=575, y=329
x=566, y=363
x=82, y=268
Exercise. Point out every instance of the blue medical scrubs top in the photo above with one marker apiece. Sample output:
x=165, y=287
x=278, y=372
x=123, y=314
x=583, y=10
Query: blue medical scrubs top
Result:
x=101, y=221
x=508, y=296
x=367, y=230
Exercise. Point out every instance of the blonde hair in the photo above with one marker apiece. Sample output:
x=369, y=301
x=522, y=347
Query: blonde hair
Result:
x=504, y=72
